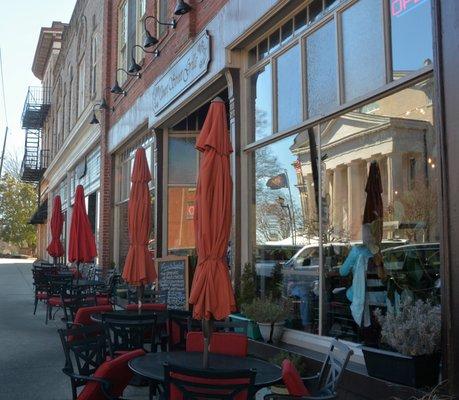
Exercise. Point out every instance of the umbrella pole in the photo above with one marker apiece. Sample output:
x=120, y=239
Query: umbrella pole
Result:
x=207, y=328
x=139, y=298
x=78, y=271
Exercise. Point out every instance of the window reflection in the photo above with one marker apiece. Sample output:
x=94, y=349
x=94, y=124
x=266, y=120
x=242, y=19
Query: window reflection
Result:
x=289, y=91
x=329, y=168
x=261, y=102
x=411, y=25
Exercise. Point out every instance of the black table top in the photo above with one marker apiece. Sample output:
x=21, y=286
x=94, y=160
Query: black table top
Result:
x=86, y=283
x=98, y=316
x=150, y=366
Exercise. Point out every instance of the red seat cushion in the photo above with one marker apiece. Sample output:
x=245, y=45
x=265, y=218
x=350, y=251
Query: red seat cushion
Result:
x=175, y=393
x=147, y=307
x=228, y=343
x=102, y=300
x=55, y=301
x=41, y=296
x=292, y=380
x=83, y=315
x=115, y=371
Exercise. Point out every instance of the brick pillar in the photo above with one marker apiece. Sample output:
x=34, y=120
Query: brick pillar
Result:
x=106, y=189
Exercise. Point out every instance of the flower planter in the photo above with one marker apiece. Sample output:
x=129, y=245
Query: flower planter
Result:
x=416, y=371
x=277, y=331
x=253, y=332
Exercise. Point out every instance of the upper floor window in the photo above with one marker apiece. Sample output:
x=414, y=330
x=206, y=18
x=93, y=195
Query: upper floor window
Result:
x=81, y=86
x=140, y=35
x=162, y=16
x=94, y=50
x=130, y=13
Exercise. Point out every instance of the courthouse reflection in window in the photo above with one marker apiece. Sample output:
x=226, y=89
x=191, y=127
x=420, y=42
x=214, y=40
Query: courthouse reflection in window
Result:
x=292, y=176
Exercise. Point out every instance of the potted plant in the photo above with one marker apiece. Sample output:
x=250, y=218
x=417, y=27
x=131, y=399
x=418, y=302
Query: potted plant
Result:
x=270, y=316
x=414, y=332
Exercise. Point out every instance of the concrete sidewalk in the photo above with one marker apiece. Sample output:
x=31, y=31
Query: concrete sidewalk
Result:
x=31, y=355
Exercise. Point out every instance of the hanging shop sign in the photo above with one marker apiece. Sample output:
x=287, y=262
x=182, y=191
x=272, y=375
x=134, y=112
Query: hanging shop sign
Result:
x=182, y=74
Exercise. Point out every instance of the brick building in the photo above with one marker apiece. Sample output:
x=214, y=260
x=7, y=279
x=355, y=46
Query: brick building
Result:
x=316, y=92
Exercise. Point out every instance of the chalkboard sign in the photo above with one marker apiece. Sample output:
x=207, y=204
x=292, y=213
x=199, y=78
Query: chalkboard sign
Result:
x=172, y=275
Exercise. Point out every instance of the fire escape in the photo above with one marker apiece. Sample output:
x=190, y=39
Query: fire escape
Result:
x=34, y=114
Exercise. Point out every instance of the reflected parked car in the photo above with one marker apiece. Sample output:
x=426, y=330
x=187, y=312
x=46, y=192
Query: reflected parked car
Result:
x=414, y=270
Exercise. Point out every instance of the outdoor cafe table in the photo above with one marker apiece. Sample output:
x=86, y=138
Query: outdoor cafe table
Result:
x=161, y=316
x=151, y=365
x=82, y=283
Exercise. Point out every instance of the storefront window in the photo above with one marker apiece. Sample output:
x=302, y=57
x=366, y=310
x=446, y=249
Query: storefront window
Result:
x=411, y=35
x=289, y=92
x=363, y=48
x=261, y=102
x=322, y=70
x=347, y=51
x=183, y=169
x=327, y=168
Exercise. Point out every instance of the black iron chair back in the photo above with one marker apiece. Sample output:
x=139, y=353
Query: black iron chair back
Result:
x=85, y=349
x=129, y=332
x=181, y=320
x=190, y=383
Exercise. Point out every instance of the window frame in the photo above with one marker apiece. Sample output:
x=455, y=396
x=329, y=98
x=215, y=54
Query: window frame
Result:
x=249, y=145
x=94, y=52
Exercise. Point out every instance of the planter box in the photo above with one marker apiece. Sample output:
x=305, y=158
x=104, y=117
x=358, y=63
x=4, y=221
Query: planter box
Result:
x=417, y=371
x=253, y=331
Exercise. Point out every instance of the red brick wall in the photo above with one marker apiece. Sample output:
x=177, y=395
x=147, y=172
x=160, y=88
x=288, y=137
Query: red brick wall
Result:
x=123, y=233
x=188, y=26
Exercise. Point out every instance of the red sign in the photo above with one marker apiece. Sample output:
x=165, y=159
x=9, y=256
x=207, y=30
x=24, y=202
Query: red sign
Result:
x=400, y=7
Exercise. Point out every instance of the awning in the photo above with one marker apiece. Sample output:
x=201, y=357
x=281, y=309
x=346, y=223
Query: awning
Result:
x=40, y=215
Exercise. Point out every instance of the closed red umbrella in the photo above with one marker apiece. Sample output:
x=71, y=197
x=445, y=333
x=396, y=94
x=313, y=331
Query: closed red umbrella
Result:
x=82, y=244
x=55, y=248
x=211, y=293
x=374, y=208
x=139, y=266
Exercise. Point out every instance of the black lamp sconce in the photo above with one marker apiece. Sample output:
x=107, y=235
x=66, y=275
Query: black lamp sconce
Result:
x=151, y=40
x=135, y=68
x=103, y=102
x=101, y=105
x=182, y=8
x=116, y=88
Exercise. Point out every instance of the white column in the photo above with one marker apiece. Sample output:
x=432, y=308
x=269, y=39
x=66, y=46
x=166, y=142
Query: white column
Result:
x=339, y=198
x=355, y=197
x=312, y=212
x=394, y=176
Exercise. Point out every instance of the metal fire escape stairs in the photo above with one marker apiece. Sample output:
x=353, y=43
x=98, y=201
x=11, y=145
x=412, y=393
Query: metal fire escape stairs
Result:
x=34, y=114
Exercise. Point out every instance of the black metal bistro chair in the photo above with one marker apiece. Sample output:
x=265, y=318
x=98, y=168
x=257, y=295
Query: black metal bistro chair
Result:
x=129, y=332
x=58, y=284
x=89, y=366
x=184, y=383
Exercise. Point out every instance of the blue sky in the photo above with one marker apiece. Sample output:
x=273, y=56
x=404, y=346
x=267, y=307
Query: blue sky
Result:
x=19, y=30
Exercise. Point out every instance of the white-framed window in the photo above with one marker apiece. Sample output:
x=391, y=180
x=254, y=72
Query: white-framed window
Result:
x=94, y=52
x=70, y=100
x=140, y=33
x=123, y=23
x=81, y=87
x=162, y=13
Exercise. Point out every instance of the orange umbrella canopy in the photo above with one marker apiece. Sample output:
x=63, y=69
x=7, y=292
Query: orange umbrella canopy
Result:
x=211, y=293
x=55, y=248
x=139, y=268
x=82, y=244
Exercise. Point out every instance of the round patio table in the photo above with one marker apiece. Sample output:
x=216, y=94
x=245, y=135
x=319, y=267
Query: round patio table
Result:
x=150, y=366
x=97, y=317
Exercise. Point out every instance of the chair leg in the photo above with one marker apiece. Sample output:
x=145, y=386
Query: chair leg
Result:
x=35, y=305
x=47, y=313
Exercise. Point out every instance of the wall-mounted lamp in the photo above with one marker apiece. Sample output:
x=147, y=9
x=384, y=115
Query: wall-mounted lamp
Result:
x=116, y=88
x=134, y=68
x=94, y=120
x=182, y=8
x=103, y=102
x=151, y=40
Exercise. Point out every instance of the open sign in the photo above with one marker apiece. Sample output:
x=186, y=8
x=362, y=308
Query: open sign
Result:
x=400, y=7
